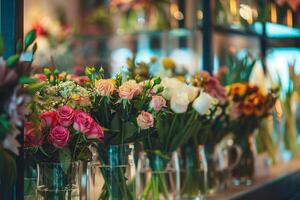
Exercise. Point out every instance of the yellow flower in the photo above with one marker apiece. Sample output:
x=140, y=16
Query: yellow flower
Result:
x=167, y=63
x=238, y=89
x=180, y=78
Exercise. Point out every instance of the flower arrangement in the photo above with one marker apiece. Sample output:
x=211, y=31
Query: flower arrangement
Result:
x=178, y=114
x=248, y=106
x=62, y=135
x=14, y=73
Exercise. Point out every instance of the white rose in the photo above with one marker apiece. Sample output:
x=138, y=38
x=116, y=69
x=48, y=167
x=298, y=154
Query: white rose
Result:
x=202, y=103
x=171, y=87
x=192, y=92
x=179, y=102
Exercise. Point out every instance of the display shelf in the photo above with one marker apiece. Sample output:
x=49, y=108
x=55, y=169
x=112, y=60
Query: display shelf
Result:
x=238, y=31
x=282, y=183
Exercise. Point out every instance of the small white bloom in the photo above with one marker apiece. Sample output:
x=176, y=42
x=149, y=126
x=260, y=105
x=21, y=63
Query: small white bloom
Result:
x=179, y=102
x=202, y=103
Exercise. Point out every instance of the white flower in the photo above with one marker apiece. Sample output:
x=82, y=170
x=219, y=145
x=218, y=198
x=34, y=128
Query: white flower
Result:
x=171, y=86
x=203, y=103
x=180, y=102
x=192, y=92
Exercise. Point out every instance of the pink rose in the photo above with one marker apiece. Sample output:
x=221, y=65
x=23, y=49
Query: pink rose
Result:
x=83, y=122
x=59, y=136
x=157, y=102
x=129, y=89
x=105, y=87
x=96, y=132
x=65, y=115
x=31, y=135
x=145, y=120
x=48, y=119
x=40, y=77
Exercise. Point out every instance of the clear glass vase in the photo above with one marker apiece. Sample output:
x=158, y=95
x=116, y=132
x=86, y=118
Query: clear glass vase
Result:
x=158, y=176
x=219, y=165
x=58, y=181
x=193, y=168
x=112, y=178
x=243, y=173
x=30, y=178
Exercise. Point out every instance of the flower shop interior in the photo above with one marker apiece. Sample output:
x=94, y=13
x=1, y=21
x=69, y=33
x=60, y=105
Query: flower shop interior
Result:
x=150, y=99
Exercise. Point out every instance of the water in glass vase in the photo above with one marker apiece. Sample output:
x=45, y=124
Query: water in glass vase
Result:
x=70, y=193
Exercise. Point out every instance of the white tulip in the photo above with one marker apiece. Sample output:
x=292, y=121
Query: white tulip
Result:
x=192, y=92
x=180, y=102
x=203, y=103
x=171, y=87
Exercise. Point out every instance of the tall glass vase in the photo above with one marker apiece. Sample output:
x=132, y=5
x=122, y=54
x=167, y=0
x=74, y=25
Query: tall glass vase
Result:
x=243, y=173
x=219, y=165
x=112, y=178
x=193, y=172
x=58, y=181
x=30, y=178
x=158, y=176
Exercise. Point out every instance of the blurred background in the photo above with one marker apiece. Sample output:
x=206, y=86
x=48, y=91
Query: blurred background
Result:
x=75, y=33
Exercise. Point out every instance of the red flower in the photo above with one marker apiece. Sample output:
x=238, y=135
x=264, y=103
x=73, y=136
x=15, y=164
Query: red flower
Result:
x=31, y=135
x=83, y=122
x=65, y=116
x=48, y=119
x=96, y=132
x=59, y=136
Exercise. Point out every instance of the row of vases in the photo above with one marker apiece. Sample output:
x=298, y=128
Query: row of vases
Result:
x=184, y=174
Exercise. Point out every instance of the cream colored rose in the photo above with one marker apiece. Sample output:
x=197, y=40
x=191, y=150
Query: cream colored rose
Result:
x=171, y=86
x=105, y=87
x=145, y=120
x=157, y=102
x=192, y=92
x=129, y=89
x=180, y=102
x=203, y=103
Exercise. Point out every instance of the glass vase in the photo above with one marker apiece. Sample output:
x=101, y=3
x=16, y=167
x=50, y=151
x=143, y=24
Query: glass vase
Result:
x=243, y=173
x=193, y=172
x=30, y=178
x=58, y=181
x=112, y=178
x=219, y=165
x=158, y=176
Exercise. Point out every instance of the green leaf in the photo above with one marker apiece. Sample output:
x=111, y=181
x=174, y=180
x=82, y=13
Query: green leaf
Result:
x=1, y=45
x=65, y=158
x=130, y=130
x=26, y=80
x=34, y=48
x=12, y=60
x=19, y=47
x=115, y=124
x=29, y=39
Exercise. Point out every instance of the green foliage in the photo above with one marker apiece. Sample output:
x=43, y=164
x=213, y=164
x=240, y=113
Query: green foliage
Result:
x=239, y=69
x=12, y=60
x=29, y=39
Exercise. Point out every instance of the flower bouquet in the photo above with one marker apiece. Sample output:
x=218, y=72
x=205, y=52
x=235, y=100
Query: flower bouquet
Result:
x=119, y=105
x=177, y=114
x=248, y=106
x=58, y=134
x=14, y=73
